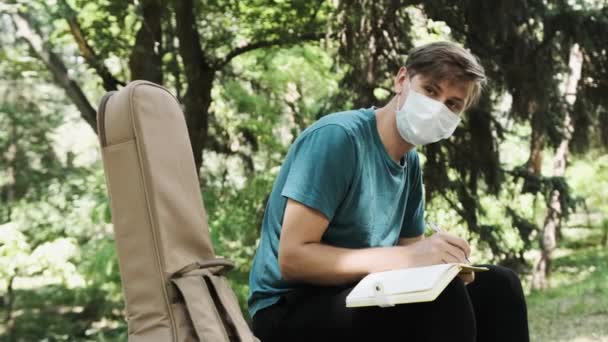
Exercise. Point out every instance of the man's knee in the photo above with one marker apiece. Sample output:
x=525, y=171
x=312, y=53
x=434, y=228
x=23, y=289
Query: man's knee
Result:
x=503, y=282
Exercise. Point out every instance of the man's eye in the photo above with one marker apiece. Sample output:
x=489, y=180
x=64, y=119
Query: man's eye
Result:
x=430, y=91
x=453, y=107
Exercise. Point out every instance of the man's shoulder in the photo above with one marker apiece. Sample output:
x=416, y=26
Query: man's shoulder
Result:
x=348, y=119
x=352, y=122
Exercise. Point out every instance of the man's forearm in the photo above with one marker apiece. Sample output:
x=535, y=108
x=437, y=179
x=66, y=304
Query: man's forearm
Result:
x=321, y=264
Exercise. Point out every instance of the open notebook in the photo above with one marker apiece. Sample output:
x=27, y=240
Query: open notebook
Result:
x=408, y=285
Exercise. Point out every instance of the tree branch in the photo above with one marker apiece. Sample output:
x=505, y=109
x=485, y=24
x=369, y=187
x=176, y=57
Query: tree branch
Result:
x=109, y=81
x=27, y=32
x=173, y=66
x=269, y=43
x=454, y=205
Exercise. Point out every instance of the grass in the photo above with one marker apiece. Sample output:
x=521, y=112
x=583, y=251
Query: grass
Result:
x=576, y=308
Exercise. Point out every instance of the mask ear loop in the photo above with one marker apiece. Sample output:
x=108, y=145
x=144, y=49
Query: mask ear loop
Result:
x=397, y=109
x=409, y=85
x=398, y=97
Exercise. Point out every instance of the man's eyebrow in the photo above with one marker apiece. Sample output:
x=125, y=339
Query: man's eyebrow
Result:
x=435, y=85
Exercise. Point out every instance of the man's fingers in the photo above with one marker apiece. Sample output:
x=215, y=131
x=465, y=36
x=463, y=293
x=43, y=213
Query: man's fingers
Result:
x=467, y=278
x=456, y=241
x=448, y=258
x=456, y=253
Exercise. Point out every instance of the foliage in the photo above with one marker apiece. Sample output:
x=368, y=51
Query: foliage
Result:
x=59, y=276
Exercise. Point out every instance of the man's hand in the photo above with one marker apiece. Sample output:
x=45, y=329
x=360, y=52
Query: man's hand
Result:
x=440, y=248
x=444, y=248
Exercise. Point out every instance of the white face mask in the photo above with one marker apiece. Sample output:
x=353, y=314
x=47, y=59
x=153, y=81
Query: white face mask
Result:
x=422, y=120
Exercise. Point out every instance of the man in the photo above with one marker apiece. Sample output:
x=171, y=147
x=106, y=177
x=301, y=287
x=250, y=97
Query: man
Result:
x=348, y=201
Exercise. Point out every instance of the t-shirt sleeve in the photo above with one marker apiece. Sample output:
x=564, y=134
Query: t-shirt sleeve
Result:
x=413, y=221
x=321, y=170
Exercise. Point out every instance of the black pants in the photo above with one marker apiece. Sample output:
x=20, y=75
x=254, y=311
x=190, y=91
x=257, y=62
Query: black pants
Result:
x=491, y=309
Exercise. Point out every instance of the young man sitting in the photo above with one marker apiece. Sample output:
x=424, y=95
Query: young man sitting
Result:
x=348, y=201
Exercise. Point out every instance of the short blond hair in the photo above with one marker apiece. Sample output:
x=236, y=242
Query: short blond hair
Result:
x=448, y=61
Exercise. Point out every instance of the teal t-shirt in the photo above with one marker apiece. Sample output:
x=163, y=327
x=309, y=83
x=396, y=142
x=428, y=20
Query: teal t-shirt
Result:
x=339, y=167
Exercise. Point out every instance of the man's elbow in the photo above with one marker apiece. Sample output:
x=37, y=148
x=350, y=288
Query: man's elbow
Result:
x=288, y=264
x=409, y=241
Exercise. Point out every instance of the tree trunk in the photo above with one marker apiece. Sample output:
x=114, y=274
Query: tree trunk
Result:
x=199, y=76
x=145, y=60
x=537, y=144
x=173, y=67
x=552, y=222
x=9, y=300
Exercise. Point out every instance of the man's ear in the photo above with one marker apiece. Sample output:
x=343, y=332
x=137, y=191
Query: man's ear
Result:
x=400, y=80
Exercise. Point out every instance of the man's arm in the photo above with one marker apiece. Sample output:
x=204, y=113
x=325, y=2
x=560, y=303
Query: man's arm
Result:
x=303, y=257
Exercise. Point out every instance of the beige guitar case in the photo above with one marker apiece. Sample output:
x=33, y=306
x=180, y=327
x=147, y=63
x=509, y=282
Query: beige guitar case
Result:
x=173, y=284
